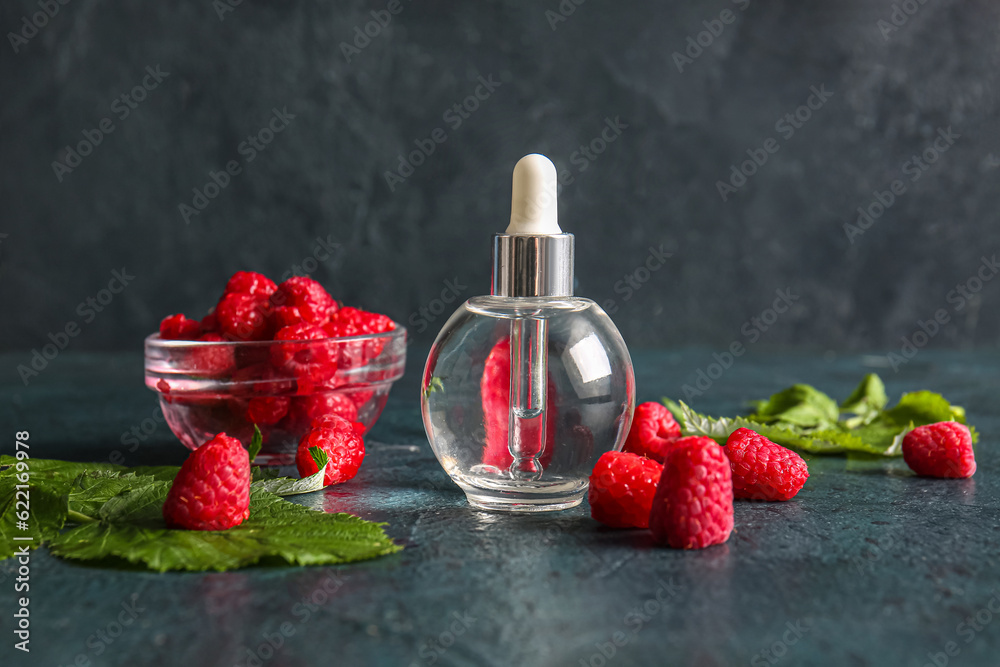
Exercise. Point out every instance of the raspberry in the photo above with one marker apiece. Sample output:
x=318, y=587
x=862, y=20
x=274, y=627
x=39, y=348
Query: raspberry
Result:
x=179, y=327
x=693, y=507
x=622, y=487
x=341, y=443
x=328, y=420
x=310, y=409
x=495, y=391
x=763, y=470
x=248, y=282
x=209, y=323
x=653, y=432
x=212, y=359
x=943, y=449
x=267, y=410
x=285, y=316
x=308, y=296
x=355, y=322
x=242, y=316
x=306, y=354
x=212, y=489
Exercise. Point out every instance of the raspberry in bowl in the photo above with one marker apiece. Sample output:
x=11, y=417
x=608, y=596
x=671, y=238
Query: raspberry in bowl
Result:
x=282, y=357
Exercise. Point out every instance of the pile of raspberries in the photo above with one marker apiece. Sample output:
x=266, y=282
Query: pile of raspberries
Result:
x=682, y=488
x=289, y=380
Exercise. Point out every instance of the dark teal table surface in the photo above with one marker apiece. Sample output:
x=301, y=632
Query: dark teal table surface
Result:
x=869, y=565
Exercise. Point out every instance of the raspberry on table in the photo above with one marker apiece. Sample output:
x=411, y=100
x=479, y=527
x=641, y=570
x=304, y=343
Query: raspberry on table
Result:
x=943, y=449
x=693, y=506
x=308, y=296
x=342, y=444
x=622, y=487
x=249, y=282
x=762, y=469
x=242, y=316
x=212, y=489
x=179, y=327
x=653, y=433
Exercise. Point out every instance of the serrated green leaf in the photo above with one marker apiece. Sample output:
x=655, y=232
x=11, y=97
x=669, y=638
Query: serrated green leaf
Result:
x=91, y=490
x=924, y=407
x=801, y=405
x=286, y=486
x=256, y=443
x=46, y=515
x=867, y=399
x=158, y=473
x=275, y=530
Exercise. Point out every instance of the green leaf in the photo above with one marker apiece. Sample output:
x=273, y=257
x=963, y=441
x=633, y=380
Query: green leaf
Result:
x=46, y=515
x=286, y=486
x=801, y=405
x=924, y=407
x=276, y=530
x=866, y=401
x=91, y=490
x=256, y=443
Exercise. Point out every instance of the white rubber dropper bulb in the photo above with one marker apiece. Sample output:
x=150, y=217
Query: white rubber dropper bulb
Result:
x=533, y=201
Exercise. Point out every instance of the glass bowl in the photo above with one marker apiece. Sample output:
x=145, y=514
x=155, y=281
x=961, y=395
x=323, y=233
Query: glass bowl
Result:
x=281, y=386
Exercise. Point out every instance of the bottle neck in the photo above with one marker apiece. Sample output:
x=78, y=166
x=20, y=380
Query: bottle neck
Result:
x=526, y=265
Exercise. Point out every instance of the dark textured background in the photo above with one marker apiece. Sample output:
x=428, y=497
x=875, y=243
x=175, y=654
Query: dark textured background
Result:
x=324, y=175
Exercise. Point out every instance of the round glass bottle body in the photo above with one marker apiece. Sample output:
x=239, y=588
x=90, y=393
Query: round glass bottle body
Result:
x=520, y=397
